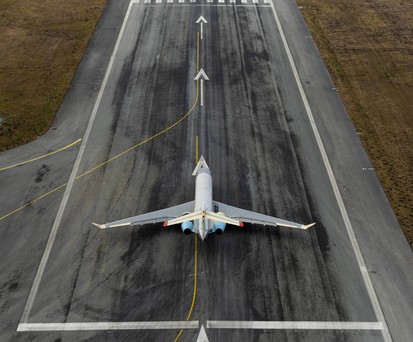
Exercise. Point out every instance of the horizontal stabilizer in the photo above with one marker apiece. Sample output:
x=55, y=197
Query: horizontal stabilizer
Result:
x=100, y=226
x=203, y=214
x=185, y=218
x=221, y=218
x=308, y=226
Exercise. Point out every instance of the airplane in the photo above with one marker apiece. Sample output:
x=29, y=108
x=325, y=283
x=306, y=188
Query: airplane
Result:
x=203, y=215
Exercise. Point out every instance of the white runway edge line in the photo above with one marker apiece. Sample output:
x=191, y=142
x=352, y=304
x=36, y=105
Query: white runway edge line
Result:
x=108, y=326
x=291, y=325
x=357, y=251
x=56, y=224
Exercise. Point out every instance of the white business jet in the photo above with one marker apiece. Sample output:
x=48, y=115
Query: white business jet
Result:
x=204, y=215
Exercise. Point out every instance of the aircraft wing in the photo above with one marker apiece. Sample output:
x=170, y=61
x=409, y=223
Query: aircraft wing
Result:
x=256, y=218
x=152, y=217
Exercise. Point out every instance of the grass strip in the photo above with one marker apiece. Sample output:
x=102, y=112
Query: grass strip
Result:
x=368, y=49
x=41, y=46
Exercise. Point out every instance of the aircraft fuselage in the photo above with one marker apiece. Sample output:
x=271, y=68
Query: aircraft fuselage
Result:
x=203, y=201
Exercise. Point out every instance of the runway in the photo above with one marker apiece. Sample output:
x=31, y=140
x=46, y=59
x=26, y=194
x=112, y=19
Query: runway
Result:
x=272, y=127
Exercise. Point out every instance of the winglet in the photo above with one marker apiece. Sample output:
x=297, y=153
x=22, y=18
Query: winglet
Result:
x=201, y=164
x=100, y=226
x=308, y=225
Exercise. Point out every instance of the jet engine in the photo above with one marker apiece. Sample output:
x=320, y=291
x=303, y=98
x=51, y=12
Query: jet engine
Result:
x=188, y=226
x=219, y=227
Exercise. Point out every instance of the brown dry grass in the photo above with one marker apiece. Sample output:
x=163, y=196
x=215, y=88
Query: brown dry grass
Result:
x=368, y=49
x=41, y=45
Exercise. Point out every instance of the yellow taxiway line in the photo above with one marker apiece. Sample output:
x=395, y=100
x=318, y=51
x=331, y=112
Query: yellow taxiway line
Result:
x=32, y=201
x=195, y=285
x=42, y=156
x=195, y=262
x=157, y=134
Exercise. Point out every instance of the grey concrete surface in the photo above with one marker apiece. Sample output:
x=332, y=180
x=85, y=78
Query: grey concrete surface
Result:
x=256, y=137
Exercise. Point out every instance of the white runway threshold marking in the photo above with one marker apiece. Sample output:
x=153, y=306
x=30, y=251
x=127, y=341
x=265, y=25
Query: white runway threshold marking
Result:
x=165, y=325
x=85, y=326
x=349, y=227
x=291, y=325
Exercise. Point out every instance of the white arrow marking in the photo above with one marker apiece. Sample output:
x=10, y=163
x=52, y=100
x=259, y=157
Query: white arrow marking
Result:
x=202, y=75
x=201, y=20
x=202, y=337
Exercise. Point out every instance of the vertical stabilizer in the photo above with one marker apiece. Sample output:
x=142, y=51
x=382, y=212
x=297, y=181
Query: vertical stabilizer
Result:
x=201, y=165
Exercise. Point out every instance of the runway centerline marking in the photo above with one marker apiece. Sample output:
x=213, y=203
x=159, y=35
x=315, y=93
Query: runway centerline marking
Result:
x=41, y=157
x=196, y=150
x=356, y=248
x=202, y=76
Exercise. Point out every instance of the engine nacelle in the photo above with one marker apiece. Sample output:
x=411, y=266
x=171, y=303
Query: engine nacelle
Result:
x=219, y=227
x=187, y=227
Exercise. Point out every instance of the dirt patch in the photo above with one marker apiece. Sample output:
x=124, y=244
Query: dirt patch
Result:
x=41, y=45
x=368, y=49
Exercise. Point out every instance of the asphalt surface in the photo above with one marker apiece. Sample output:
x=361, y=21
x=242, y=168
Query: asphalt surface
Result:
x=256, y=136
